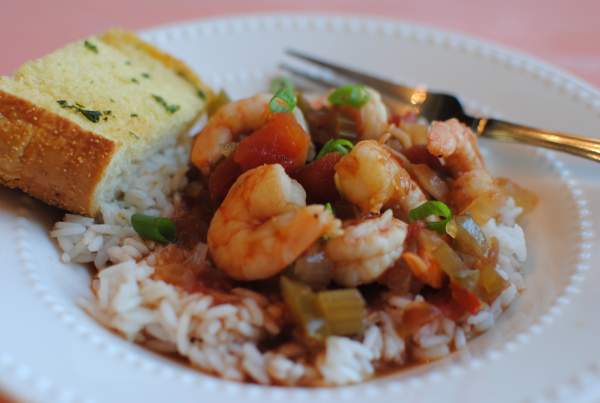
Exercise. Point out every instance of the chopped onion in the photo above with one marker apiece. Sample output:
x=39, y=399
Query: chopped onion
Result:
x=316, y=271
x=492, y=284
x=198, y=254
x=522, y=197
x=432, y=183
x=228, y=148
x=485, y=207
x=417, y=132
x=467, y=235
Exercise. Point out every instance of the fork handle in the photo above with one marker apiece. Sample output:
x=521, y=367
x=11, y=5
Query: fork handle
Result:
x=505, y=131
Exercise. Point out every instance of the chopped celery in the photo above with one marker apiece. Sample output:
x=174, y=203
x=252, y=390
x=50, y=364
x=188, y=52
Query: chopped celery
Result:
x=343, y=309
x=484, y=207
x=455, y=268
x=302, y=305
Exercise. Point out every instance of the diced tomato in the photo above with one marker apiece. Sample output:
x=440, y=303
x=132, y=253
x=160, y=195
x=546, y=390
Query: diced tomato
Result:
x=408, y=117
x=224, y=177
x=466, y=299
x=281, y=141
x=418, y=154
x=317, y=178
x=413, y=230
x=417, y=313
x=442, y=299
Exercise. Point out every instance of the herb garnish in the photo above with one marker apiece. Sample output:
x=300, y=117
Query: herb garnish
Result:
x=145, y=75
x=107, y=112
x=111, y=100
x=134, y=115
x=200, y=92
x=168, y=108
x=127, y=62
x=135, y=81
x=91, y=47
x=133, y=136
x=92, y=116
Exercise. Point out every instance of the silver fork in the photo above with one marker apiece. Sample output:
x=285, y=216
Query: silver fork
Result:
x=437, y=106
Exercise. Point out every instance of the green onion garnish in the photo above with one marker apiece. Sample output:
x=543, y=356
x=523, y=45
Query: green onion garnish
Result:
x=354, y=96
x=335, y=145
x=283, y=101
x=158, y=229
x=329, y=207
x=282, y=83
x=432, y=208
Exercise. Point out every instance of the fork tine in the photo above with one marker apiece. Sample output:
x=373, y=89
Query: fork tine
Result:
x=383, y=86
x=326, y=82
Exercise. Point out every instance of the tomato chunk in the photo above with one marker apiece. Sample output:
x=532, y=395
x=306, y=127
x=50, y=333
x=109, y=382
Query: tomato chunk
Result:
x=224, y=177
x=408, y=117
x=419, y=154
x=317, y=178
x=465, y=299
x=281, y=141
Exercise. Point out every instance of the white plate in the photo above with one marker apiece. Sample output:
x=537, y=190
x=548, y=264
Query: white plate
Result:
x=545, y=347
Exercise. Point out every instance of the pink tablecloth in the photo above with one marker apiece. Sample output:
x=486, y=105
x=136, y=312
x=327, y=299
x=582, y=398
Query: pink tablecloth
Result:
x=565, y=33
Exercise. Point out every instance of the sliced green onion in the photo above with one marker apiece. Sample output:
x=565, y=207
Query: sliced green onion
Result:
x=354, y=96
x=432, y=208
x=283, y=101
x=282, y=82
x=158, y=229
x=329, y=207
x=335, y=145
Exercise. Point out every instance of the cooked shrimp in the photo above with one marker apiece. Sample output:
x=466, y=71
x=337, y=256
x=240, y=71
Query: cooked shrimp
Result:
x=458, y=146
x=232, y=120
x=264, y=224
x=371, y=178
x=366, y=249
x=373, y=117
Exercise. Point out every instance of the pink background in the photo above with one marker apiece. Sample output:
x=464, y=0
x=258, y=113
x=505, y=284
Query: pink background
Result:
x=565, y=33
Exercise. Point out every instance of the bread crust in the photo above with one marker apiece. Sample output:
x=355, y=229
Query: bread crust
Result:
x=50, y=157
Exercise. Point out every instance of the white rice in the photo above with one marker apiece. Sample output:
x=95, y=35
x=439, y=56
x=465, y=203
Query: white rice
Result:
x=222, y=338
